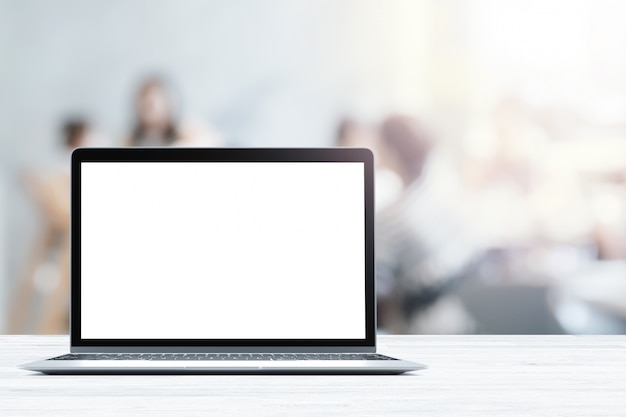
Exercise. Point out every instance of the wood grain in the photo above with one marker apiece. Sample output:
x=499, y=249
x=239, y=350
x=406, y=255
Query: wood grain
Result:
x=468, y=376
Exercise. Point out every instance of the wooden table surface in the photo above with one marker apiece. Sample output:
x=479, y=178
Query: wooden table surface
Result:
x=468, y=376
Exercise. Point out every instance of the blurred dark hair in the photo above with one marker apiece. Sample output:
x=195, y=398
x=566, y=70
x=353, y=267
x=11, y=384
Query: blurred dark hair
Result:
x=409, y=142
x=170, y=133
x=73, y=131
x=343, y=128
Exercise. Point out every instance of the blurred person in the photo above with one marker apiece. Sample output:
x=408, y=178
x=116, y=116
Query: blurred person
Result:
x=423, y=242
x=155, y=119
x=607, y=194
x=352, y=133
x=157, y=122
x=41, y=301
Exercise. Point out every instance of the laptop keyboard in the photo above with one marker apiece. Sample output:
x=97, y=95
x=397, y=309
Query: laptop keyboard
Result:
x=225, y=356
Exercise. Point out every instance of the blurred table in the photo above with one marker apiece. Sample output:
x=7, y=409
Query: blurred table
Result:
x=468, y=376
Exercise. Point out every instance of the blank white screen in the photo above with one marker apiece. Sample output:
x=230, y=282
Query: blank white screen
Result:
x=222, y=250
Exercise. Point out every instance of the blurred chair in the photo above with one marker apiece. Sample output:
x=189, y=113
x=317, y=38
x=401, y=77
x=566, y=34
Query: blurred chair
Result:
x=41, y=300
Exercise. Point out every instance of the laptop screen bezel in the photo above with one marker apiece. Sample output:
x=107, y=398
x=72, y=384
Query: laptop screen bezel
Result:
x=147, y=155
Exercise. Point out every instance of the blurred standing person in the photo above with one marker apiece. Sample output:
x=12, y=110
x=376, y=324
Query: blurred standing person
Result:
x=423, y=243
x=157, y=122
x=41, y=301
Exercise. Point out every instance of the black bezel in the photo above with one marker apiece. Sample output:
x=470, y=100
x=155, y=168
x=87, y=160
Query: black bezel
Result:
x=222, y=155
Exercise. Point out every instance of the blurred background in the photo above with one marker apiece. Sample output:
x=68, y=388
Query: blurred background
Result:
x=499, y=130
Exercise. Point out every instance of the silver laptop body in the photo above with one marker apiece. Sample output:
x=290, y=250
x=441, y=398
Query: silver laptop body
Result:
x=222, y=261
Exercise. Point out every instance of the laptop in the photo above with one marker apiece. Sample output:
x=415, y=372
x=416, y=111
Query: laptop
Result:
x=222, y=261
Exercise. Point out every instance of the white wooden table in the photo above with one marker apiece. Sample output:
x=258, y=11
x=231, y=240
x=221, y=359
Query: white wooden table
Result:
x=468, y=376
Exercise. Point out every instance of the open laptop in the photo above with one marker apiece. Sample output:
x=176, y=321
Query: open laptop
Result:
x=222, y=261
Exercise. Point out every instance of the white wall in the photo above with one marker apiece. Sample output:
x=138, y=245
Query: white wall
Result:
x=3, y=237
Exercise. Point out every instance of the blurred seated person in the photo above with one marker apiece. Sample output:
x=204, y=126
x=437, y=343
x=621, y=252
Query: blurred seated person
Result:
x=352, y=133
x=607, y=195
x=41, y=303
x=157, y=122
x=422, y=243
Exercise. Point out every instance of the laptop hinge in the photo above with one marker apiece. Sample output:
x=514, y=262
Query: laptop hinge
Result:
x=222, y=349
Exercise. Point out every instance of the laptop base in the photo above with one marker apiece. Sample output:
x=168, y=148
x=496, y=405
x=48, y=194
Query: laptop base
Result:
x=309, y=367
